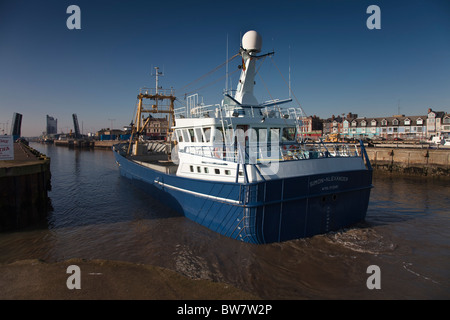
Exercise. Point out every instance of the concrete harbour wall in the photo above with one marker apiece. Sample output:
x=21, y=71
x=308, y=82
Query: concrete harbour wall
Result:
x=427, y=162
x=24, y=186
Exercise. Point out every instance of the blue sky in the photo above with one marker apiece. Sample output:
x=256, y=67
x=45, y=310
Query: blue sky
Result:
x=337, y=64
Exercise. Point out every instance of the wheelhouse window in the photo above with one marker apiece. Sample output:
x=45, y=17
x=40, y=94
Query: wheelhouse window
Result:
x=219, y=135
x=253, y=135
x=261, y=134
x=179, y=135
x=288, y=134
x=207, y=134
x=186, y=136
x=192, y=135
x=274, y=134
x=198, y=135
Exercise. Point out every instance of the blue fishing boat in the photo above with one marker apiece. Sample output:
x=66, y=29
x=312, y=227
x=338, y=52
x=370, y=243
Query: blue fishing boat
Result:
x=243, y=168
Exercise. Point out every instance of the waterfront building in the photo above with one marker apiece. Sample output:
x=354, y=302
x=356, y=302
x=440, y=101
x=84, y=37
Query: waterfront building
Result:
x=333, y=125
x=157, y=128
x=326, y=127
x=395, y=127
x=108, y=134
x=434, y=121
x=445, y=127
x=422, y=127
x=312, y=127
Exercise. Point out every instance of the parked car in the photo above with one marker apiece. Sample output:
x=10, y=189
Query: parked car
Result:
x=436, y=140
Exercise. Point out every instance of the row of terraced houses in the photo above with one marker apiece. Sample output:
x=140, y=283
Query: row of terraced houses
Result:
x=434, y=123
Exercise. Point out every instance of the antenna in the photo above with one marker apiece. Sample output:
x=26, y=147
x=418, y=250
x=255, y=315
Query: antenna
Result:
x=157, y=74
x=289, y=71
x=226, y=76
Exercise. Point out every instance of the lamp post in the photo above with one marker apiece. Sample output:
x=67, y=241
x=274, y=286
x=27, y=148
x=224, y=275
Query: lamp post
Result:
x=111, y=123
x=111, y=128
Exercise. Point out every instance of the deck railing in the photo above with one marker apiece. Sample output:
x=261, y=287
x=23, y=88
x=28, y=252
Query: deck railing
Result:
x=154, y=91
x=199, y=110
x=255, y=154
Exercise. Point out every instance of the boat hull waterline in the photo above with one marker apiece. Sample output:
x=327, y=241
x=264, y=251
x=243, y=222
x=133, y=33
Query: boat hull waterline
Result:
x=265, y=211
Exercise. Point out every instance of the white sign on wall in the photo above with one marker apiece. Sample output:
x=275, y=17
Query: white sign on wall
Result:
x=6, y=148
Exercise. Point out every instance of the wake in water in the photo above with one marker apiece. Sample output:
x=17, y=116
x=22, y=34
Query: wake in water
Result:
x=407, y=267
x=364, y=240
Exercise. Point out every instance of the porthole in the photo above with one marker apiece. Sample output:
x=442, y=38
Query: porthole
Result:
x=217, y=171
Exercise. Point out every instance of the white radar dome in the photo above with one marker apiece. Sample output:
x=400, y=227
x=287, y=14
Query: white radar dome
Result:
x=252, y=41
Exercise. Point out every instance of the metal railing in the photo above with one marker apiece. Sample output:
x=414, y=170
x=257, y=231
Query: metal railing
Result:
x=154, y=91
x=194, y=109
x=256, y=154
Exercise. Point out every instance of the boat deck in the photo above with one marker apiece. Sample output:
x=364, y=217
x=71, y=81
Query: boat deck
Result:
x=156, y=162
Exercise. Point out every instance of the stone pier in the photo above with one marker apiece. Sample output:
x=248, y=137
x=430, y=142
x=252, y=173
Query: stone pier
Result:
x=24, y=183
x=428, y=162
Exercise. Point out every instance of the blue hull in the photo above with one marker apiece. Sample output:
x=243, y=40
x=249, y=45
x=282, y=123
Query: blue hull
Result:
x=262, y=212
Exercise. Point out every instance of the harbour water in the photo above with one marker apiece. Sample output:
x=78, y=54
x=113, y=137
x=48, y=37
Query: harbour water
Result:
x=97, y=214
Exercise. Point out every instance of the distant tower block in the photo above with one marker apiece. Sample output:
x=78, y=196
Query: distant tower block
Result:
x=52, y=125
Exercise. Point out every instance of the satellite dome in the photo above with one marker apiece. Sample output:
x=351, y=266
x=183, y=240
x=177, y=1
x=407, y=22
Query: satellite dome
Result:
x=252, y=41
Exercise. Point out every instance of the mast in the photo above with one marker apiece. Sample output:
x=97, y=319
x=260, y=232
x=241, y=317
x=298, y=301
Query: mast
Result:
x=162, y=103
x=251, y=45
x=157, y=73
x=289, y=72
x=226, y=72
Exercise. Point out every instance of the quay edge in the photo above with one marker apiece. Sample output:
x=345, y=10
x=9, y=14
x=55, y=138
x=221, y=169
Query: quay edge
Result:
x=419, y=162
x=85, y=143
x=24, y=185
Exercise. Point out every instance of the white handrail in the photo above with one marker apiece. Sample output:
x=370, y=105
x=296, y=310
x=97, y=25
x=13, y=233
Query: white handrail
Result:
x=262, y=154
